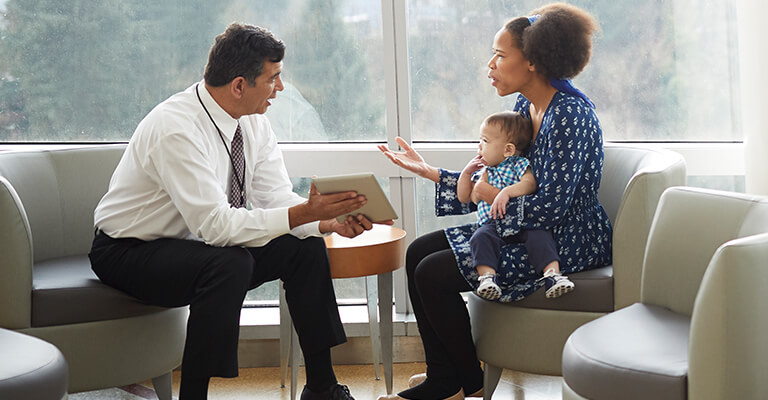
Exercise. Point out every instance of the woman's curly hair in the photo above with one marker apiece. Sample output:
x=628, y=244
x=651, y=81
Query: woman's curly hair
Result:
x=559, y=43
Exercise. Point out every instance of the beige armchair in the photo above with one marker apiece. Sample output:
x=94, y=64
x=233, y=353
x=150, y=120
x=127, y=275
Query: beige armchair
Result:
x=529, y=335
x=699, y=328
x=47, y=288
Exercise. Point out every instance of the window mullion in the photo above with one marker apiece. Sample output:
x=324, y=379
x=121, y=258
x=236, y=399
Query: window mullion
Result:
x=394, y=15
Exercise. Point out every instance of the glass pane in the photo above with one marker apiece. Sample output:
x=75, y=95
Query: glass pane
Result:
x=79, y=70
x=350, y=289
x=727, y=183
x=660, y=70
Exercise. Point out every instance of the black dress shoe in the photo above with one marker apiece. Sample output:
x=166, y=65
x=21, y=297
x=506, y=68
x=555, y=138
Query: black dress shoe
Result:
x=335, y=392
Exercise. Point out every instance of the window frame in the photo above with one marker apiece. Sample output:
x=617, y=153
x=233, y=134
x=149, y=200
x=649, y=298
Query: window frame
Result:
x=307, y=159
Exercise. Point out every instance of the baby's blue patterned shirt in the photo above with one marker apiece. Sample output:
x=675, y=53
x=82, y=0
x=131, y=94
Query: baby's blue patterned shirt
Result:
x=508, y=172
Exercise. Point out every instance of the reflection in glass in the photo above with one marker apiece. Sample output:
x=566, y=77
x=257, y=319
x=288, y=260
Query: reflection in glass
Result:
x=77, y=70
x=660, y=70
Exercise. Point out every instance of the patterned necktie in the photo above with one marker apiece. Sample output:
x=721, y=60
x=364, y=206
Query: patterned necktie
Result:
x=236, y=194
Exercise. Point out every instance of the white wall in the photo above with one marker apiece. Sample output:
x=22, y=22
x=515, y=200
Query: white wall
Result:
x=753, y=61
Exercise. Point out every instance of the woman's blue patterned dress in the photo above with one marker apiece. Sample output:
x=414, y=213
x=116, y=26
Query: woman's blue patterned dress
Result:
x=567, y=161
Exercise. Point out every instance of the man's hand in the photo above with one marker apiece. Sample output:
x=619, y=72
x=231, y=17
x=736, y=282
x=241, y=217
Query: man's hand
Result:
x=351, y=227
x=324, y=206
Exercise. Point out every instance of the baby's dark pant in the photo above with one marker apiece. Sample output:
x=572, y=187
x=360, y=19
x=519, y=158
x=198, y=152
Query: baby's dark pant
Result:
x=486, y=244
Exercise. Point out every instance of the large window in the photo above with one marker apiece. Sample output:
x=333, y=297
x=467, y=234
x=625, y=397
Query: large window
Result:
x=660, y=71
x=360, y=72
x=80, y=70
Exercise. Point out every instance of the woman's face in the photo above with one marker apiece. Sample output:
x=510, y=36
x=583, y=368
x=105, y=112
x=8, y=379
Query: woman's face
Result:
x=509, y=70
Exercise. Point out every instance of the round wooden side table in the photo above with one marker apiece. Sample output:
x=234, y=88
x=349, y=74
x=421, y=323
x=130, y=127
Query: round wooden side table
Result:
x=374, y=254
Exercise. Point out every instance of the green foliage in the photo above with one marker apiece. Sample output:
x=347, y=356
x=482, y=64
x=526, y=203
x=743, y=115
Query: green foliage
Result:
x=327, y=65
x=91, y=70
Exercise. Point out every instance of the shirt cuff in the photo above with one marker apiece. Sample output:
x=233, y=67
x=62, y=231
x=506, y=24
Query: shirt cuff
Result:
x=277, y=221
x=307, y=230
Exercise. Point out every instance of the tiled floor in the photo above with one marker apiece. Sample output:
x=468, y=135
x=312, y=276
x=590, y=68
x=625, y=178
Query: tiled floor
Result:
x=264, y=384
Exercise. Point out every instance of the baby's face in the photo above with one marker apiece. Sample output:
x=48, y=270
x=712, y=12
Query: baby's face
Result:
x=493, y=145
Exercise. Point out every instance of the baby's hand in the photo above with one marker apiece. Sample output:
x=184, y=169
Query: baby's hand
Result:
x=499, y=206
x=473, y=165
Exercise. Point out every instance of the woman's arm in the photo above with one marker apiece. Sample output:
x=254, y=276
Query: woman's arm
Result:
x=484, y=191
x=526, y=185
x=446, y=199
x=573, y=144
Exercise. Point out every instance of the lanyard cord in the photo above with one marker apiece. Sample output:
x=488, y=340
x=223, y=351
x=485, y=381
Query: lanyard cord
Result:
x=240, y=180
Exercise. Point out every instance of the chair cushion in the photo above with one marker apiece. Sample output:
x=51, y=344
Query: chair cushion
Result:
x=638, y=352
x=593, y=292
x=31, y=368
x=66, y=291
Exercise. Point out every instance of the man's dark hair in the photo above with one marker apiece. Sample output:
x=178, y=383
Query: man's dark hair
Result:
x=241, y=51
x=559, y=43
x=515, y=126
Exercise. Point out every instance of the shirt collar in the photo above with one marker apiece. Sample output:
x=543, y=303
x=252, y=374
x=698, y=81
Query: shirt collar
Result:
x=225, y=122
x=507, y=161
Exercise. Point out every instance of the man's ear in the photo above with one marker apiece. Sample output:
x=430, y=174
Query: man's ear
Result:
x=510, y=150
x=531, y=67
x=237, y=86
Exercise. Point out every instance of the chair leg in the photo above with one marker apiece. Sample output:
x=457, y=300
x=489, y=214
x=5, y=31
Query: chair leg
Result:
x=373, y=321
x=490, y=380
x=295, y=361
x=163, y=386
x=285, y=336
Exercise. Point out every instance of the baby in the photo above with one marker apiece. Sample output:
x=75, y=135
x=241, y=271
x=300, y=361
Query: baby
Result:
x=504, y=137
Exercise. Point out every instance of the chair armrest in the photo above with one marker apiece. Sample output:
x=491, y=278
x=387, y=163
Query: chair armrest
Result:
x=662, y=169
x=728, y=355
x=16, y=260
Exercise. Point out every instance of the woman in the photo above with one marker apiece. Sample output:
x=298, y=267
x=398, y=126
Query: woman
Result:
x=532, y=56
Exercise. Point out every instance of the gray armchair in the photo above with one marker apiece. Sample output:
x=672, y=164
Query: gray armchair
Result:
x=529, y=335
x=47, y=288
x=699, y=328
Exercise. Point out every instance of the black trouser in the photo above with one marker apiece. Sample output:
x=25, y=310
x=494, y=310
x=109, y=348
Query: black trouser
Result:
x=213, y=281
x=435, y=285
x=486, y=246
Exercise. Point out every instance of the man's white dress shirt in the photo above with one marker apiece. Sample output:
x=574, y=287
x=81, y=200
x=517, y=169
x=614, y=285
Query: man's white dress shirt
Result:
x=173, y=179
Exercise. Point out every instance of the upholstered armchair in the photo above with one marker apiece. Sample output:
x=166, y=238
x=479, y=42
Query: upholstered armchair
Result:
x=529, y=335
x=698, y=330
x=47, y=288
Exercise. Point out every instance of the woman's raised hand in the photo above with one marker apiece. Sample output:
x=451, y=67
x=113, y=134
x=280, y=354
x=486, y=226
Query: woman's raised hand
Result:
x=411, y=160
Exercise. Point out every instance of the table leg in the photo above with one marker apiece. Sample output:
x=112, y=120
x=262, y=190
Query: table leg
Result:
x=372, y=291
x=385, y=325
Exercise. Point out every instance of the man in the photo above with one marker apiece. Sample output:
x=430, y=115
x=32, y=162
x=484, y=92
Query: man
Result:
x=200, y=210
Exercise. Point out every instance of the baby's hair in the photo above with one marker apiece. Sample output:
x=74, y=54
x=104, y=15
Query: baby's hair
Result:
x=515, y=126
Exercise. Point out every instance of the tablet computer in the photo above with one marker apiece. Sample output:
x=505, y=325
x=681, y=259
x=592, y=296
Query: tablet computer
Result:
x=377, y=209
